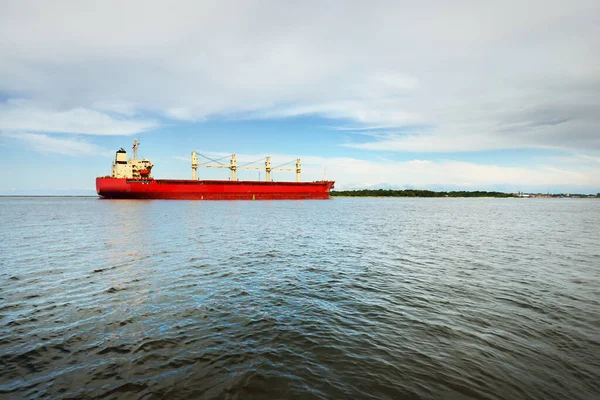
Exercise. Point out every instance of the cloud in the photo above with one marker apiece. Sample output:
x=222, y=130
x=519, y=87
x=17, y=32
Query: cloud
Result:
x=572, y=160
x=65, y=146
x=437, y=143
x=359, y=173
x=23, y=115
x=477, y=75
x=425, y=173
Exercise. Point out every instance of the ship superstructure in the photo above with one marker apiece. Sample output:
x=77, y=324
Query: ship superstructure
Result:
x=132, y=179
x=132, y=168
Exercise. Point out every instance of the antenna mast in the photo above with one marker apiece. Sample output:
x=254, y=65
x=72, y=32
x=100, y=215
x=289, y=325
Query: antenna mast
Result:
x=136, y=144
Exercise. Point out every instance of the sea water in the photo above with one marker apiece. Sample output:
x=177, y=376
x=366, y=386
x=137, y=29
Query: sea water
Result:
x=346, y=298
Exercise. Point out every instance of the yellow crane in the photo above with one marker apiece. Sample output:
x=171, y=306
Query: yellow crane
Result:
x=233, y=166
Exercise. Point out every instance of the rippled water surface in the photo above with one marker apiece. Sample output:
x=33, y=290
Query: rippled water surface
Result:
x=347, y=298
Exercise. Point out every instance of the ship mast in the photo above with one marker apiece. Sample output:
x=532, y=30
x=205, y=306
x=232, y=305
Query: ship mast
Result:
x=268, y=168
x=136, y=144
x=233, y=167
x=298, y=170
x=194, y=166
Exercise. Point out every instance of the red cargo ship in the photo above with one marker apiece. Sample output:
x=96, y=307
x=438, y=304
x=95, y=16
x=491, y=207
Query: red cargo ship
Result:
x=132, y=179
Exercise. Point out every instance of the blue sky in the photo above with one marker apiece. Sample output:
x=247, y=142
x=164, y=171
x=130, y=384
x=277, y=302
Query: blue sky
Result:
x=470, y=95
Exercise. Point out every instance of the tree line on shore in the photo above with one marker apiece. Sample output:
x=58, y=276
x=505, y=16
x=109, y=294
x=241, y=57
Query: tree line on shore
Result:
x=416, y=193
x=431, y=193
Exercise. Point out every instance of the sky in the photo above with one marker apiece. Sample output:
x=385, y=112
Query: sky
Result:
x=463, y=95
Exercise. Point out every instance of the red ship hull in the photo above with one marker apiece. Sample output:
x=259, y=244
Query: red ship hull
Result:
x=174, y=189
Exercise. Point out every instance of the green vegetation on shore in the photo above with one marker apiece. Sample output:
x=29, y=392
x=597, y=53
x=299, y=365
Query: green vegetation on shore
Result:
x=460, y=193
x=415, y=193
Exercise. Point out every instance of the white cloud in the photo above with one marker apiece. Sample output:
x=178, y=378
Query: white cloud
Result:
x=23, y=115
x=65, y=146
x=116, y=106
x=359, y=173
x=424, y=173
x=436, y=143
x=572, y=160
x=478, y=75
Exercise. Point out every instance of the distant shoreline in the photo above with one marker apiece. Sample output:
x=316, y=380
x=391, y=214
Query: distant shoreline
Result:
x=452, y=194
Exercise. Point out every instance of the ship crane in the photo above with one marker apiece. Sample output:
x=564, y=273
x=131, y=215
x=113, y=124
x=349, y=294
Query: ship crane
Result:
x=233, y=166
